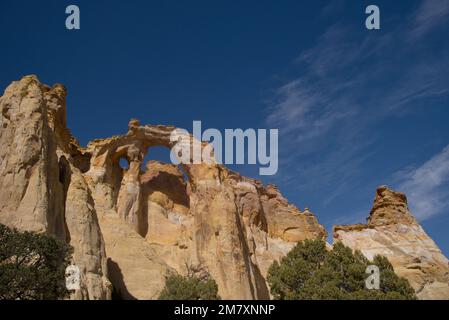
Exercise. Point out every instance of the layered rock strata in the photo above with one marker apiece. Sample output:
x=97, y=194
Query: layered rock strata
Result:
x=131, y=226
x=393, y=232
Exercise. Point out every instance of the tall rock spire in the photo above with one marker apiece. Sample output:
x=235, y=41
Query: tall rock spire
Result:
x=393, y=232
x=390, y=207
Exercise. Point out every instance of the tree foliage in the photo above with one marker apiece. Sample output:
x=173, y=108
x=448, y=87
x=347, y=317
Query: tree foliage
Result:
x=197, y=285
x=311, y=272
x=32, y=266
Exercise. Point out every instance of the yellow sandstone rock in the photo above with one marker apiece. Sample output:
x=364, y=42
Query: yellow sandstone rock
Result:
x=130, y=227
x=393, y=232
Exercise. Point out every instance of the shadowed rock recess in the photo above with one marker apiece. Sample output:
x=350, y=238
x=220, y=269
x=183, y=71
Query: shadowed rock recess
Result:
x=130, y=227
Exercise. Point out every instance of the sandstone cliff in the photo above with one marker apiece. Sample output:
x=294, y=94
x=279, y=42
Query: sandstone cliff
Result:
x=133, y=226
x=130, y=227
x=42, y=185
x=393, y=232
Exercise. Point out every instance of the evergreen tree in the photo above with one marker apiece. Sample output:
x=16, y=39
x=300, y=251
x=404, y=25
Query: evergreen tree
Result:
x=197, y=285
x=311, y=272
x=32, y=266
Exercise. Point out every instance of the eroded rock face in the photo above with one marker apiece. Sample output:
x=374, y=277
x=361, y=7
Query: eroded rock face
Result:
x=393, y=232
x=192, y=215
x=134, y=226
x=42, y=187
x=131, y=227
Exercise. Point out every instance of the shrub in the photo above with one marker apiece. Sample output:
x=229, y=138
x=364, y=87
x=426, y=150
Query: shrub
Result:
x=197, y=285
x=311, y=272
x=32, y=266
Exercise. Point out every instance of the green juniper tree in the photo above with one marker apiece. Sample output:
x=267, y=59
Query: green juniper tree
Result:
x=311, y=272
x=197, y=285
x=32, y=266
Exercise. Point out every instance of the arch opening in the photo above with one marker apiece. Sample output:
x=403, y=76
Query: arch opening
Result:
x=123, y=163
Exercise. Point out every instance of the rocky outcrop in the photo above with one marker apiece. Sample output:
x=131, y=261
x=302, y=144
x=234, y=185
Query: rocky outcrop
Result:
x=198, y=214
x=393, y=232
x=131, y=226
x=42, y=185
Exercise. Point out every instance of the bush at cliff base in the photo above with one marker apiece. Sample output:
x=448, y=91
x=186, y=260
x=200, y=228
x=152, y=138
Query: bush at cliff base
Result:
x=311, y=272
x=178, y=287
x=32, y=266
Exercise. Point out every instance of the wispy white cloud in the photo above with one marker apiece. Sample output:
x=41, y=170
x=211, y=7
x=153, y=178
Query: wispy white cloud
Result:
x=424, y=79
x=310, y=105
x=349, y=82
x=333, y=7
x=427, y=186
x=309, y=109
x=430, y=14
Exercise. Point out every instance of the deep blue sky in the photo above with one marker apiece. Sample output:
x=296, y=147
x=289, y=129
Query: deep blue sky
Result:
x=355, y=108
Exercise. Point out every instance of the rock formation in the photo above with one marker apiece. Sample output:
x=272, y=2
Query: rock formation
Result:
x=41, y=179
x=131, y=227
x=393, y=232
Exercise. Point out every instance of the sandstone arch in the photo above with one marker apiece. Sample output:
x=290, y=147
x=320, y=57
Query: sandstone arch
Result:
x=224, y=226
x=232, y=225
